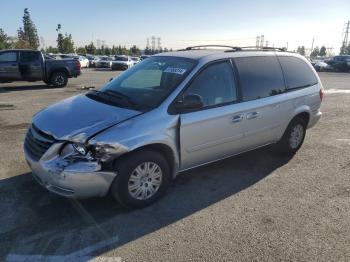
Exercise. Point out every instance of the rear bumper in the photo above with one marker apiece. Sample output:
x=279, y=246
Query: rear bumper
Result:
x=117, y=66
x=314, y=119
x=77, y=180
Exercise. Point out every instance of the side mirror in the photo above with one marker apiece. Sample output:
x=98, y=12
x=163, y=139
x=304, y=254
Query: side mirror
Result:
x=110, y=79
x=190, y=101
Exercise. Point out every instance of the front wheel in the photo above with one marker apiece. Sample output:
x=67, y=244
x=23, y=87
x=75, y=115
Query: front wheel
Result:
x=293, y=137
x=142, y=178
x=59, y=79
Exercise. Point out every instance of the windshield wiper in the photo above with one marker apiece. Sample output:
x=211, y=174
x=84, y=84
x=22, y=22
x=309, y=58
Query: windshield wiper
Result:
x=120, y=95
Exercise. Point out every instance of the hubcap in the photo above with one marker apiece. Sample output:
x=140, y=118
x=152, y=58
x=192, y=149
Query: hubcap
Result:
x=145, y=180
x=59, y=80
x=296, y=136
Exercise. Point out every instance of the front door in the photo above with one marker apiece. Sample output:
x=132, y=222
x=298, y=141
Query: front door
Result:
x=215, y=130
x=9, y=70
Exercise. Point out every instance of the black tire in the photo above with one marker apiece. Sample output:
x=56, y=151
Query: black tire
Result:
x=126, y=166
x=59, y=79
x=286, y=145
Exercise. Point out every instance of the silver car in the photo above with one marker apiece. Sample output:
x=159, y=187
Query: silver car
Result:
x=170, y=113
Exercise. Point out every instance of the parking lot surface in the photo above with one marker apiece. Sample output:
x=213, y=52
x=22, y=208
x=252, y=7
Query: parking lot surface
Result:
x=258, y=206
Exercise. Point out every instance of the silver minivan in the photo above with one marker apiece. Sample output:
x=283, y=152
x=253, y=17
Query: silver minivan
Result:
x=170, y=113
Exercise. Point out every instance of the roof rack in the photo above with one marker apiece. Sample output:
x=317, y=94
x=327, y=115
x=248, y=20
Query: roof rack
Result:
x=200, y=46
x=263, y=48
x=237, y=48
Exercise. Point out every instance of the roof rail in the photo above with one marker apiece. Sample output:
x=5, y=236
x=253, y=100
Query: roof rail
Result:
x=261, y=48
x=199, y=46
x=237, y=48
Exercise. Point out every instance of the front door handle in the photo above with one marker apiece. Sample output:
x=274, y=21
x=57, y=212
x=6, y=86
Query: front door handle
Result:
x=252, y=115
x=237, y=118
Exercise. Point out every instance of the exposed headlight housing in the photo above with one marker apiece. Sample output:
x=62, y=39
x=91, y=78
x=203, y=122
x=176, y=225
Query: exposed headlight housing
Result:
x=80, y=148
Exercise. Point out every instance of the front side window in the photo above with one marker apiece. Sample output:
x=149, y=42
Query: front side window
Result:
x=29, y=56
x=147, y=84
x=8, y=57
x=260, y=76
x=215, y=84
x=297, y=73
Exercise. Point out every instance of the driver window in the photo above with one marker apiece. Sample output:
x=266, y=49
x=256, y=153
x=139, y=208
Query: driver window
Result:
x=215, y=84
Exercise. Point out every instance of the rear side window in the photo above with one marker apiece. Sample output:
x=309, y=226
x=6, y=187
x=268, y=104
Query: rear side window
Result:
x=296, y=72
x=8, y=57
x=260, y=77
x=29, y=56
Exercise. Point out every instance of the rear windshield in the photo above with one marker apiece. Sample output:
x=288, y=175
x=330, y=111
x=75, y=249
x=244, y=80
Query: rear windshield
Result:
x=296, y=72
x=121, y=58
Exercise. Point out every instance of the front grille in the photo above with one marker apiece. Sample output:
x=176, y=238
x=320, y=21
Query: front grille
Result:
x=37, y=142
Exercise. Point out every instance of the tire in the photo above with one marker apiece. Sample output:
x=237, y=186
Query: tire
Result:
x=127, y=188
x=59, y=79
x=293, y=137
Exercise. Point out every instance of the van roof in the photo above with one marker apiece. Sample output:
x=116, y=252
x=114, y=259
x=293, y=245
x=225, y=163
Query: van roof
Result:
x=213, y=54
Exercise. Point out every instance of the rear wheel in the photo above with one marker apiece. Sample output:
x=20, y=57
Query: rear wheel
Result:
x=59, y=79
x=293, y=137
x=142, y=179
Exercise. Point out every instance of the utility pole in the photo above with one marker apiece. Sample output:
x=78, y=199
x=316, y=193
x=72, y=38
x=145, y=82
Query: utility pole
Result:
x=257, y=43
x=346, y=37
x=153, y=41
x=312, y=45
x=262, y=41
x=158, y=43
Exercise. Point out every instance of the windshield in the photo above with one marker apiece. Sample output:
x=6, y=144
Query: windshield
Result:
x=121, y=58
x=148, y=83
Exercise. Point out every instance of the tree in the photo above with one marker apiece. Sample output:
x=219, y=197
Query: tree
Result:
x=28, y=34
x=301, y=50
x=4, y=40
x=65, y=42
x=52, y=50
x=81, y=50
x=68, y=44
x=323, y=51
x=134, y=50
x=315, y=52
x=90, y=49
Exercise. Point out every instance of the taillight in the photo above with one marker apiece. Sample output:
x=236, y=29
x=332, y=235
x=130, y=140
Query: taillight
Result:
x=77, y=65
x=321, y=94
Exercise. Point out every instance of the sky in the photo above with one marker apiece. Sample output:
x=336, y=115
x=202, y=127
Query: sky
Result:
x=181, y=23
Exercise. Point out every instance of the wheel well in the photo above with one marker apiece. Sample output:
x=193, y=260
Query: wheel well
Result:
x=165, y=150
x=305, y=116
x=59, y=70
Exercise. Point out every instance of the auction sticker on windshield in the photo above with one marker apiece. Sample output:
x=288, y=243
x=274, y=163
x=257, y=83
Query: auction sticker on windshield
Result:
x=174, y=70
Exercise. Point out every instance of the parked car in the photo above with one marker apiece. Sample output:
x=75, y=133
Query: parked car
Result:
x=31, y=65
x=92, y=59
x=103, y=62
x=173, y=112
x=84, y=62
x=321, y=66
x=340, y=63
x=122, y=62
x=144, y=57
x=135, y=60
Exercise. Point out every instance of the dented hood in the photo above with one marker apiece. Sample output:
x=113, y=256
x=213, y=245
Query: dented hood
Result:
x=79, y=117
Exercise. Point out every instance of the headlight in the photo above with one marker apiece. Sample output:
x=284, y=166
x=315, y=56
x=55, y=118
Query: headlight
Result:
x=80, y=148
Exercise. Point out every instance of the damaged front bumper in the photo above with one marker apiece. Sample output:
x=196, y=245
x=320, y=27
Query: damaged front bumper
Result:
x=76, y=179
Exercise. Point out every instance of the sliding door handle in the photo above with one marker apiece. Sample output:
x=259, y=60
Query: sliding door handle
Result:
x=252, y=115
